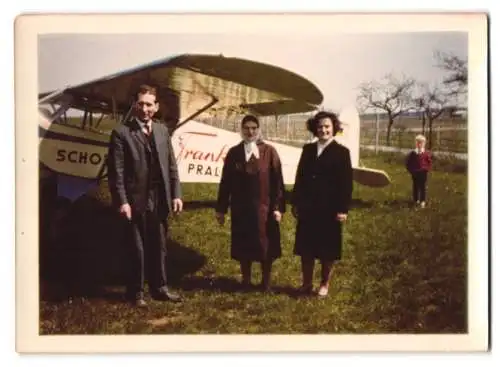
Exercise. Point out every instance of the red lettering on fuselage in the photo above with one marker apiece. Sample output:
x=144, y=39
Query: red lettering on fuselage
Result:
x=187, y=152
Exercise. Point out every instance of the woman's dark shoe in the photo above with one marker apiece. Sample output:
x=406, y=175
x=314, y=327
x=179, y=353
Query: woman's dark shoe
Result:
x=305, y=290
x=246, y=286
x=265, y=287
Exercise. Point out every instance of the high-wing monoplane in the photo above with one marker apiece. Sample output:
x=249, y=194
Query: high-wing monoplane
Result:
x=190, y=87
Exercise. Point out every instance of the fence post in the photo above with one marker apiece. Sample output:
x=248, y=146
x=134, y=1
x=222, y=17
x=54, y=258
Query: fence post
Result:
x=287, y=127
x=438, y=137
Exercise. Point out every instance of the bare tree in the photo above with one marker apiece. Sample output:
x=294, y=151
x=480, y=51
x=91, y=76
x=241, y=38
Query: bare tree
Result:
x=432, y=102
x=391, y=94
x=457, y=69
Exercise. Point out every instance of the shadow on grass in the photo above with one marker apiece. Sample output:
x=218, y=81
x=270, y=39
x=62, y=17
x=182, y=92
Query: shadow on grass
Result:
x=216, y=284
x=199, y=204
x=210, y=204
x=355, y=203
x=360, y=204
x=399, y=204
x=84, y=256
x=228, y=285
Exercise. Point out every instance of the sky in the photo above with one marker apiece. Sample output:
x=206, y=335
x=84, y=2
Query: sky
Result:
x=337, y=63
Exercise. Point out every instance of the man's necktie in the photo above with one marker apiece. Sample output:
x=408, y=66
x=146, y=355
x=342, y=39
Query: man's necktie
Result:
x=147, y=129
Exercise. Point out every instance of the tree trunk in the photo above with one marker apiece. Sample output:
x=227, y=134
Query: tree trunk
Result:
x=423, y=123
x=430, y=133
x=389, y=126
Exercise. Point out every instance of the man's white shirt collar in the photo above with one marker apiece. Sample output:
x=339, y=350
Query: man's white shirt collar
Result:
x=251, y=148
x=143, y=124
x=321, y=146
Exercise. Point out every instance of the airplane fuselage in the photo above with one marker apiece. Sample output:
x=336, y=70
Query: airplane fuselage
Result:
x=200, y=150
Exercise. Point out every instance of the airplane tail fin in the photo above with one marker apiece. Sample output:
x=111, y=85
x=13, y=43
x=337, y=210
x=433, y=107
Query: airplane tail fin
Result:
x=350, y=123
x=350, y=137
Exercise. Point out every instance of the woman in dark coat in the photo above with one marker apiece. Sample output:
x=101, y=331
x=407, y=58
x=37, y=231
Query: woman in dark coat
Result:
x=252, y=185
x=321, y=199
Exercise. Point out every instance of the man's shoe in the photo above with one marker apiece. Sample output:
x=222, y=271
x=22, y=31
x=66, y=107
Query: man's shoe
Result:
x=164, y=294
x=137, y=299
x=141, y=303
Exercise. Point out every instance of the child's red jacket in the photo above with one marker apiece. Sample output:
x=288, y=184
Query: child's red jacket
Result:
x=418, y=162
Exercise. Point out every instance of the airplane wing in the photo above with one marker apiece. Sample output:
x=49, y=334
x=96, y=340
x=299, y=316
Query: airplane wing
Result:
x=190, y=84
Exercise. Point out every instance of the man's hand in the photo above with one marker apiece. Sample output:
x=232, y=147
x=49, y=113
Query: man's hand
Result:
x=126, y=210
x=177, y=205
x=220, y=218
x=277, y=215
x=341, y=217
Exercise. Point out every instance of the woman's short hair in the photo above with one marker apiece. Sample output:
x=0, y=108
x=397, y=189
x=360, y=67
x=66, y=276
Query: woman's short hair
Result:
x=250, y=118
x=313, y=122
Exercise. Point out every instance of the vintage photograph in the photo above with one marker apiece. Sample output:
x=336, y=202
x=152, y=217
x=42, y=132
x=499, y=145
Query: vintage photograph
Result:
x=238, y=182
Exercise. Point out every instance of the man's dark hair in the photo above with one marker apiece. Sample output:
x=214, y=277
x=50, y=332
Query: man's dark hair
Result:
x=144, y=89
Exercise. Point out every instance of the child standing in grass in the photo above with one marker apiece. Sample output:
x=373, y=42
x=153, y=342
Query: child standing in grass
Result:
x=418, y=164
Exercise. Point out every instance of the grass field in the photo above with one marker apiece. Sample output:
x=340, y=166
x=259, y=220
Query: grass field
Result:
x=403, y=269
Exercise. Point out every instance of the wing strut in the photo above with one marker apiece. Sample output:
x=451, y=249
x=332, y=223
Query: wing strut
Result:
x=113, y=106
x=127, y=115
x=85, y=117
x=49, y=96
x=99, y=121
x=200, y=111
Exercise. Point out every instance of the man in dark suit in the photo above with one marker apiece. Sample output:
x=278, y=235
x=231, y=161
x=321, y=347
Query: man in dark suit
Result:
x=144, y=185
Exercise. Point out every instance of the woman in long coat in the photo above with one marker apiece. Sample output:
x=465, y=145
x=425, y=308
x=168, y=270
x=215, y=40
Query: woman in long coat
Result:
x=321, y=199
x=252, y=186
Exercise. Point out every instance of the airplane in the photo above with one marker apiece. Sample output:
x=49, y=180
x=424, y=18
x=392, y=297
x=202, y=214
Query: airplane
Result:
x=191, y=86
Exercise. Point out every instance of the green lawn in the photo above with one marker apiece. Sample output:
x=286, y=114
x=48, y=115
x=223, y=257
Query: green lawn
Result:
x=403, y=270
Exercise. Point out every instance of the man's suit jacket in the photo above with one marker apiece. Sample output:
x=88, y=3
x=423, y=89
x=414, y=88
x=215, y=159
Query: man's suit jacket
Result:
x=128, y=168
